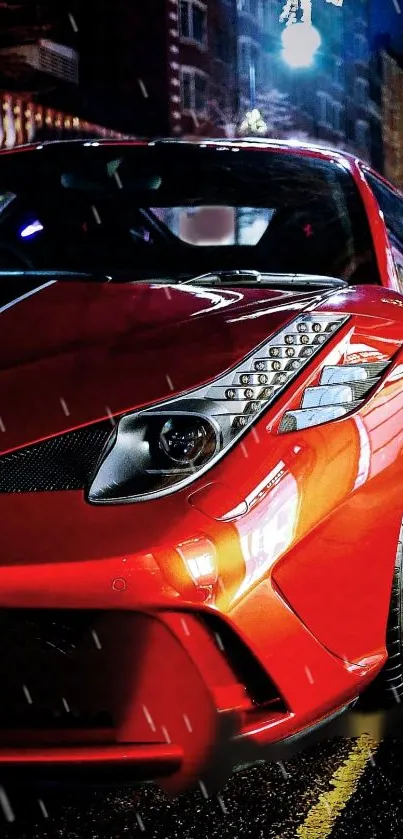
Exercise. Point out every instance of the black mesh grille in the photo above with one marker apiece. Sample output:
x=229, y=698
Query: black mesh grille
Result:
x=58, y=669
x=61, y=463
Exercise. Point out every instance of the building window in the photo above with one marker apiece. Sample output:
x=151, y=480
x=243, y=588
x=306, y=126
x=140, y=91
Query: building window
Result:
x=270, y=13
x=249, y=57
x=350, y=129
x=360, y=47
x=193, y=90
x=269, y=69
x=260, y=12
x=329, y=112
x=254, y=8
x=322, y=107
x=361, y=92
x=362, y=134
x=338, y=72
x=325, y=110
x=193, y=21
x=222, y=45
x=244, y=57
x=338, y=117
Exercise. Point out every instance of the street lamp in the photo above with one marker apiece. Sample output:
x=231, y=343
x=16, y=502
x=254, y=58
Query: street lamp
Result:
x=301, y=42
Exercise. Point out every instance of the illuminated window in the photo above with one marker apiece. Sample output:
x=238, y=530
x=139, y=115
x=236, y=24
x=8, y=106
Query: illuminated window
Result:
x=193, y=21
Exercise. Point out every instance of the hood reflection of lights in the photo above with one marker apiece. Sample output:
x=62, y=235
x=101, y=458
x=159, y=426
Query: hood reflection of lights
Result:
x=219, y=301
x=265, y=537
x=396, y=374
x=297, y=307
x=364, y=463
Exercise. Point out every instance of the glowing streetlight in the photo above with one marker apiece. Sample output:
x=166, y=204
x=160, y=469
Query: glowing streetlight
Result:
x=300, y=42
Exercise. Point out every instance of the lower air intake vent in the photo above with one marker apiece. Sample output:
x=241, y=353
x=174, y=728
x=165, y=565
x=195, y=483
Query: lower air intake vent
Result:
x=58, y=669
x=245, y=666
x=61, y=463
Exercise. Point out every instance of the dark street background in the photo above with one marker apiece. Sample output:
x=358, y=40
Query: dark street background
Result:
x=342, y=789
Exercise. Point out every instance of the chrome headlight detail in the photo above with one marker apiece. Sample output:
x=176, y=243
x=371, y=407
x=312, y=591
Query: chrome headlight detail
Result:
x=340, y=391
x=158, y=450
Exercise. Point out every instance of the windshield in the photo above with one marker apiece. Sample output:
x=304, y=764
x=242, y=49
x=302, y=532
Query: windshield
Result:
x=177, y=209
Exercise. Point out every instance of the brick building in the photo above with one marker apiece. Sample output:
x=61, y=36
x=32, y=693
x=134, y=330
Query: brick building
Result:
x=196, y=67
x=337, y=100
x=362, y=105
x=392, y=118
x=171, y=71
x=207, y=68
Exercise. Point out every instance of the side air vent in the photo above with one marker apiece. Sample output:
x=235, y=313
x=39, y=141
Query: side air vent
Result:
x=246, y=668
x=340, y=390
x=65, y=462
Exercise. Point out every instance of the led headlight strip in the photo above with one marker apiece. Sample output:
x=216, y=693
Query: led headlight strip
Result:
x=256, y=383
x=161, y=449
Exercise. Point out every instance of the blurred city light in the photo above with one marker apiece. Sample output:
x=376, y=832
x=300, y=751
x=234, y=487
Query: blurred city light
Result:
x=31, y=229
x=253, y=123
x=300, y=42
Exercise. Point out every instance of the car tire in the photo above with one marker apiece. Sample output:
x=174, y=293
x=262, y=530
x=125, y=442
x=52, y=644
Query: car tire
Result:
x=391, y=678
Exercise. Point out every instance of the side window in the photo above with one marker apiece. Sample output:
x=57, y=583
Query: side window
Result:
x=391, y=205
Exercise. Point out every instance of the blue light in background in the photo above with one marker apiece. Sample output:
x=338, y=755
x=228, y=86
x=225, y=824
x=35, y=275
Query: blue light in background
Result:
x=31, y=229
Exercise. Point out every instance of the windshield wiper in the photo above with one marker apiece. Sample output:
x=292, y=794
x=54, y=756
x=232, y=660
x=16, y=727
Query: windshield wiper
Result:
x=264, y=279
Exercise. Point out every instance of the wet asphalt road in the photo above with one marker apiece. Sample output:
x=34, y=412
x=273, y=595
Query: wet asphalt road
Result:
x=327, y=791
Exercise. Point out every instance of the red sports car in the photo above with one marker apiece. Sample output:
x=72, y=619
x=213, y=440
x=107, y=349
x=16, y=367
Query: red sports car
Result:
x=201, y=419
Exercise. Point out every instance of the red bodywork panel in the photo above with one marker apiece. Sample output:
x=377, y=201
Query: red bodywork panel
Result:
x=304, y=568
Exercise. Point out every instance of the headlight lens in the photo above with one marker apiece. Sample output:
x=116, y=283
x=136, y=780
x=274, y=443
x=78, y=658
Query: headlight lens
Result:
x=187, y=440
x=158, y=450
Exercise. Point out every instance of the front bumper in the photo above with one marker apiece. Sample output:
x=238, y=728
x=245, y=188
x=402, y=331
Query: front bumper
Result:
x=172, y=696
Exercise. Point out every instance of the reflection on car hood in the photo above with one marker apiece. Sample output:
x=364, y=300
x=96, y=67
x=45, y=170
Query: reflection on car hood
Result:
x=71, y=353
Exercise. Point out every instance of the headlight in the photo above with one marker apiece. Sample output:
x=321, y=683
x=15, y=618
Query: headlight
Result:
x=161, y=449
x=340, y=391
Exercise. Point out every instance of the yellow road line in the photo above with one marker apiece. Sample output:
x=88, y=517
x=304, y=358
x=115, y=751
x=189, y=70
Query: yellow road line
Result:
x=320, y=820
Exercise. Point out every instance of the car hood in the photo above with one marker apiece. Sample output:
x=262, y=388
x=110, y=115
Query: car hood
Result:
x=72, y=353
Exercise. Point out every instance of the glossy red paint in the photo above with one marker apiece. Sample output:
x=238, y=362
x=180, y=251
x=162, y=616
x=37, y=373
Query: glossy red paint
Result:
x=145, y=339
x=303, y=525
